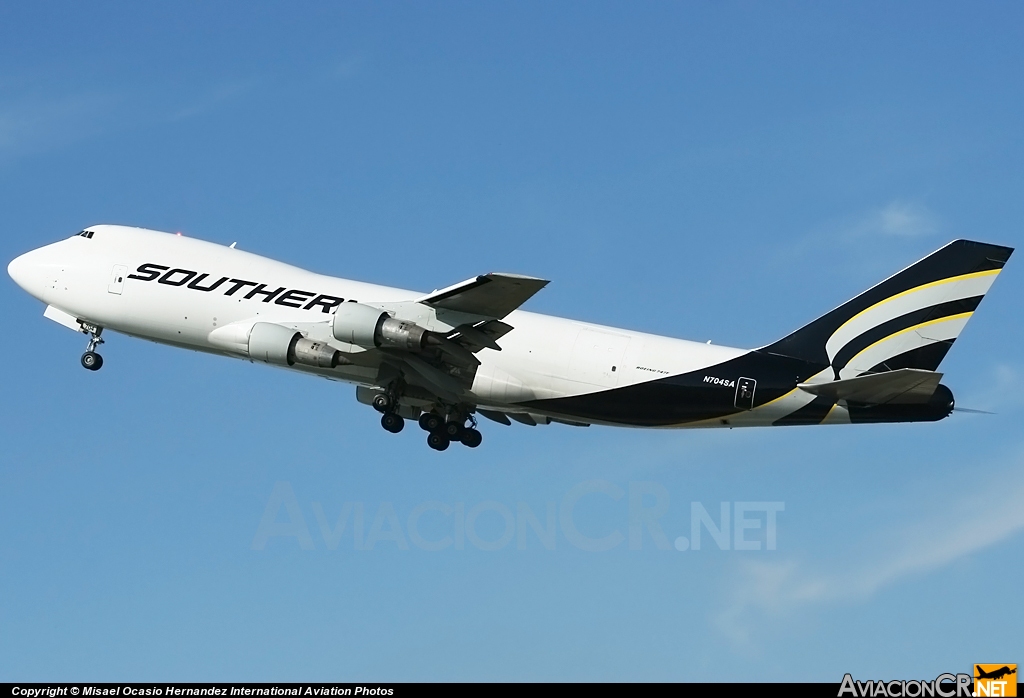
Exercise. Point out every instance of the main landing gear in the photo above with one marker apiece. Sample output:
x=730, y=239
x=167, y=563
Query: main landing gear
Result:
x=441, y=432
x=392, y=422
x=387, y=403
x=90, y=359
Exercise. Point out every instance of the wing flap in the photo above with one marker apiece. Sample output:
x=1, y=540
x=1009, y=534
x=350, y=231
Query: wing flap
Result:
x=902, y=386
x=494, y=415
x=483, y=335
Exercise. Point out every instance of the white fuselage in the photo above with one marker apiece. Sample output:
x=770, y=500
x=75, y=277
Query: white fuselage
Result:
x=467, y=348
x=542, y=357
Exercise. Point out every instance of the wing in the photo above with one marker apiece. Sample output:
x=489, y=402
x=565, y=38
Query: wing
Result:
x=491, y=295
x=455, y=324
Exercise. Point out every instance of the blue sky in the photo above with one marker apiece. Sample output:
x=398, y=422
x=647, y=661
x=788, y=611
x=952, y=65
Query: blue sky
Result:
x=720, y=171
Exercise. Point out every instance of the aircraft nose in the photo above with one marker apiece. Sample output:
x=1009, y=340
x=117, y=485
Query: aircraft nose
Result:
x=28, y=272
x=20, y=269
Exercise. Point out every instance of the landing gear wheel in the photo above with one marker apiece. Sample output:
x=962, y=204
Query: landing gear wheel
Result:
x=382, y=402
x=471, y=438
x=437, y=440
x=392, y=422
x=453, y=430
x=430, y=421
x=92, y=361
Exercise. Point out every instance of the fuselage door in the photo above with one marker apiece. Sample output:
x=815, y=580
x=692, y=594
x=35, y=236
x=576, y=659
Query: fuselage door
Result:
x=745, y=393
x=117, y=275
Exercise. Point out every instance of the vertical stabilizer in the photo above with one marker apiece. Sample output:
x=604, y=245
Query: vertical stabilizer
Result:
x=910, y=320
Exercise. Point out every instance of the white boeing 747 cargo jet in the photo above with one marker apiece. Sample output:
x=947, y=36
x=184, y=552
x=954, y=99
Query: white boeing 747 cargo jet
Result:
x=467, y=350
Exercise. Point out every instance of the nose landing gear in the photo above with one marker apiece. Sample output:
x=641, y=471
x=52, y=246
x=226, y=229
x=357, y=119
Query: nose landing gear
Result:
x=90, y=359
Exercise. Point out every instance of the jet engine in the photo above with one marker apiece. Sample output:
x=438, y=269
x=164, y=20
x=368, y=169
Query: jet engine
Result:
x=275, y=344
x=373, y=328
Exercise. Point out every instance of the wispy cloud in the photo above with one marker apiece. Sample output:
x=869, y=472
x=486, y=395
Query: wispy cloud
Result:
x=900, y=218
x=857, y=238
x=968, y=524
x=214, y=98
x=35, y=123
x=896, y=219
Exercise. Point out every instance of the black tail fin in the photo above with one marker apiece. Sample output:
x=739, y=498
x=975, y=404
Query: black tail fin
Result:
x=910, y=320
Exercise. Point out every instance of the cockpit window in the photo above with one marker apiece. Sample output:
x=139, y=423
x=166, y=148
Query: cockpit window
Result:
x=85, y=234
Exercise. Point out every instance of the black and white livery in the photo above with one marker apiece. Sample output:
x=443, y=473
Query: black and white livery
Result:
x=446, y=357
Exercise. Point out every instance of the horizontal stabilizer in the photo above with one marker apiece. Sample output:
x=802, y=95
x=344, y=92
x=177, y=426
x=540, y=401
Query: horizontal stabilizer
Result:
x=902, y=386
x=490, y=295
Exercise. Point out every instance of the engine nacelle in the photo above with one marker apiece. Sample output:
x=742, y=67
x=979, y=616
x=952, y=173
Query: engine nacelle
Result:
x=371, y=328
x=357, y=324
x=275, y=344
x=271, y=343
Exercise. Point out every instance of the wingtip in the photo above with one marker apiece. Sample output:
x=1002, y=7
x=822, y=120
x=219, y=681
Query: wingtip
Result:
x=524, y=277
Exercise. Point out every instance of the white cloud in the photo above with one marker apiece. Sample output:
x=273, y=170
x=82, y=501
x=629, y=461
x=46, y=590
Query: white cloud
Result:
x=974, y=521
x=898, y=218
x=856, y=237
x=902, y=218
